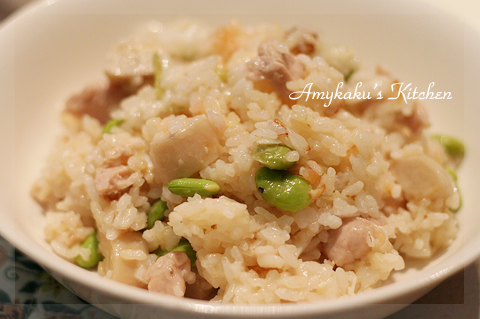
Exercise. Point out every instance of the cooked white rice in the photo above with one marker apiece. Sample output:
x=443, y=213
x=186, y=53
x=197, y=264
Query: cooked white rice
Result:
x=247, y=251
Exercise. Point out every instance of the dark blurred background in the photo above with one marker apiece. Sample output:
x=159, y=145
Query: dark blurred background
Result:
x=8, y=6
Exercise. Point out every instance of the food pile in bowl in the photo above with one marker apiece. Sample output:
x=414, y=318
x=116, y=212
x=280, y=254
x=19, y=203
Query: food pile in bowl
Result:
x=246, y=164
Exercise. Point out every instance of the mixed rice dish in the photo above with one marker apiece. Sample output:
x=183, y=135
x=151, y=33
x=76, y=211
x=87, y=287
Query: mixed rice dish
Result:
x=200, y=168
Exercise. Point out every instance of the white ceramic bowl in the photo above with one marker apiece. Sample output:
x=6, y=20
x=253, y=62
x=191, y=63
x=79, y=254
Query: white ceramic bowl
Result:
x=53, y=48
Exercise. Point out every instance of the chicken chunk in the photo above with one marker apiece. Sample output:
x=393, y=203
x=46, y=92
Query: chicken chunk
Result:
x=130, y=63
x=123, y=255
x=422, y=177
x=129, y=67
x=97, y=101
x=131, y=58
x=277, y=66
x=111, y=180
x=351, y=241
x=169, y=274
x=185, y=152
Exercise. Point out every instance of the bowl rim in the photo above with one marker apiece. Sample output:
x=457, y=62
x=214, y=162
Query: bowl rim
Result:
x=10, y=231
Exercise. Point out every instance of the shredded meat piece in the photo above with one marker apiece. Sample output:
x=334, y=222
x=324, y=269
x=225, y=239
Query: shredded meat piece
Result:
x=301, y=41
x=200, y=289
x=391, y=205
x=278, y=66
x=228, y=39
x=109, y=180
x=350, y=241
x=169, y=273
x=416, y=121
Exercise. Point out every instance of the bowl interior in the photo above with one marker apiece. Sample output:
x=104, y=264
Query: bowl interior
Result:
x=42, y=64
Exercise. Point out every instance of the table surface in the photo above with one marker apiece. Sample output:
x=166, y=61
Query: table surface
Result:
x=28, y=292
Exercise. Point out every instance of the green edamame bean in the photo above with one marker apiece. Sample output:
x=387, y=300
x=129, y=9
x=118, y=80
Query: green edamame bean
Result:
x=112, y=123
x=273, y=156
x=156, y=212
x=452, y=173
x=349, y=74
x=460, y=201
x=452, y=145
x=157, y=72
x=283, y=189
x=183, y=245
x=91, y=242
x=223, y=75
x=191, y=186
